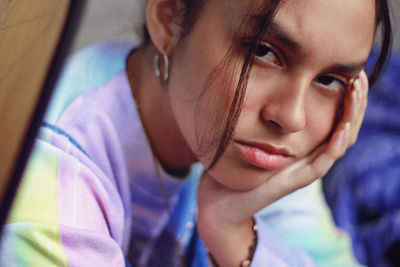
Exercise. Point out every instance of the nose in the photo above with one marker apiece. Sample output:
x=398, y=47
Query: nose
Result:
x=285, y=107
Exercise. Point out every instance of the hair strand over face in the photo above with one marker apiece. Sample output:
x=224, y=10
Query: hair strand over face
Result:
x=188, y=10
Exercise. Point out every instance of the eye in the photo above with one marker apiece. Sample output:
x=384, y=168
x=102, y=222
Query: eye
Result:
x=332, y=83
x=266, y=54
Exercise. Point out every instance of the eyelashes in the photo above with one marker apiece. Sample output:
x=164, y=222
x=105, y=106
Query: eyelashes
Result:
x=264, y=53
x=332, y=83
x=267, y=56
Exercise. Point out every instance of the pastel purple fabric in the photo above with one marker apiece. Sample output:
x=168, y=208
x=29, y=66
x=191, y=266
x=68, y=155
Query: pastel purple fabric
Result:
x=90, y=195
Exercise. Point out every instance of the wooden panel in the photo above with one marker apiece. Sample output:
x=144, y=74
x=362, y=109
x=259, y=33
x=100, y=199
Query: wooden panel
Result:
x=29, y=34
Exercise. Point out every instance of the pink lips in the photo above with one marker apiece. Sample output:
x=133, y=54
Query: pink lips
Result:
x=263, y=155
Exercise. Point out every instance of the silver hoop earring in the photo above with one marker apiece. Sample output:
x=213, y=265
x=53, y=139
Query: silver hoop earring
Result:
x=164, y=76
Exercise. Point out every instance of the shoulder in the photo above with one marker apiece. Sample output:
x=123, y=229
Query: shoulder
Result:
x=88, y=68
x=93, y=104
x=61, y=207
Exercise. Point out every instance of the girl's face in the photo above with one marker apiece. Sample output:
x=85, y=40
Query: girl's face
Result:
x=309, y=53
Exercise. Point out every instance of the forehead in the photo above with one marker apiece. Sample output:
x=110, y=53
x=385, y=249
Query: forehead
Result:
x=329, y=16
x=348, y=25
x=332, y=27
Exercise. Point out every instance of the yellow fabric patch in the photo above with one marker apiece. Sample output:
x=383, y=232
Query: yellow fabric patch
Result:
x=33, y=225
x=36, y=199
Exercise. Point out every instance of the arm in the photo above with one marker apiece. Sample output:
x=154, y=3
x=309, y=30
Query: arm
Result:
x=225, y=215
x=63, y=215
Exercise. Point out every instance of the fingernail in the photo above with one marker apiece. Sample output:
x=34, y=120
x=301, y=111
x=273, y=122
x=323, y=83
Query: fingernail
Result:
x=357, y=85
x=354, y=95
x=347, y=126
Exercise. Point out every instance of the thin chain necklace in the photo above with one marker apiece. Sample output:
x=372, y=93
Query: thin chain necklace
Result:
x=158, y=174
x=168, y=208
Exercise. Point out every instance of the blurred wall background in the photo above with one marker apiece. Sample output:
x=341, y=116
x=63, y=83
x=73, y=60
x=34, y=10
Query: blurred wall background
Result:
x=110, y=20
x=123, y=19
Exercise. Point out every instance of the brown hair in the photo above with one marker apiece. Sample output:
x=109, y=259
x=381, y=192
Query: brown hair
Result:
x=188, y=11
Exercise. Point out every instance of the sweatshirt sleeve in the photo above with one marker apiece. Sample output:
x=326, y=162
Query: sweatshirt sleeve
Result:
x=272, y=251
x=303, y=220
x=64, y=214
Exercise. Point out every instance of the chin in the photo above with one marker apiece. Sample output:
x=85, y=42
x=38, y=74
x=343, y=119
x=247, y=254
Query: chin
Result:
x=239, y=180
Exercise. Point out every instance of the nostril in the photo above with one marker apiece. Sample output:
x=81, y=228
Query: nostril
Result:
x=274, y=125
x=270, y=119
x=285, y=112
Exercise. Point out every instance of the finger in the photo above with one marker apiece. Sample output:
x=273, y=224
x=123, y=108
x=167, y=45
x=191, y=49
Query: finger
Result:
x=335, y=149
x=293, y=177
x=308, y=169
x=347, y=131
x=354, y=105
x=361, y=87
x=356, y=118
x=351, y=104
x=320, y=161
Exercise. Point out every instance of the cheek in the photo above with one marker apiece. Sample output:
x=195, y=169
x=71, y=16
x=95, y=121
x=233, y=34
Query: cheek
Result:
x=200, y=96
x=320, y=123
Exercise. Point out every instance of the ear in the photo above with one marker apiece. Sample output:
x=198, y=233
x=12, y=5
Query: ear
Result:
x=161, y=24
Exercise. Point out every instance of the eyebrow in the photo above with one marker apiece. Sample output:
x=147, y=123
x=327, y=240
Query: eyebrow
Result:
x=277, y=33
x=348, y=68
x=274, y=31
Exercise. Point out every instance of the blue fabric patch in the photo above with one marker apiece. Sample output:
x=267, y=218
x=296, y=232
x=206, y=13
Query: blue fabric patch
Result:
x=63, y=133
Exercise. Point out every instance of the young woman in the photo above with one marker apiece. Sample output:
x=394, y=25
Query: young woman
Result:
x=266, y=95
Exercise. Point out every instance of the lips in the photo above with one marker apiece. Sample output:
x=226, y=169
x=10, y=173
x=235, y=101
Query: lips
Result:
x=263, y=156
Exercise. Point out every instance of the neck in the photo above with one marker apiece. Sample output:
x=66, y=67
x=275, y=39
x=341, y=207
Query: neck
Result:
x=154, y=107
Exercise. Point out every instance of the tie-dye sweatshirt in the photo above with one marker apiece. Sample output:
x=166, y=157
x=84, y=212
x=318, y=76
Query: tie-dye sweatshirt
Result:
x=90, y=195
